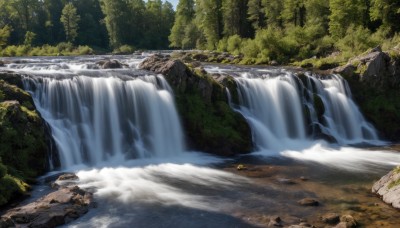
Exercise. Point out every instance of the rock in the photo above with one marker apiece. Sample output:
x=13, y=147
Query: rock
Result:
x=347, y=221
x=110, y=64
x=12, y=79
x=275, y=221
x=54, y=209
x=241, y=167
x=286, y=181
x=209, y=122
x=12, y=92
x=330, y=218
x=67, y=176
x=346, y=70
x=274, y=63
x=308, y=202
x=1, y=63
x=388, y=188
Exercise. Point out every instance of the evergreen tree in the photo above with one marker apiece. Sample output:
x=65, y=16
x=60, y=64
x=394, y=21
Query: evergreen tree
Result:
x=209, y=21
x=294, y=12
x=273, y=10
x=184, y=16
x=70, y=19
x=345, y=13
x=256, y=14
x=235, y=18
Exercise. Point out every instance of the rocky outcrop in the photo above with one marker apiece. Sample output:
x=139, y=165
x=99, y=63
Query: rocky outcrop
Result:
x=24, y=139
x=374, y=79
x=209, y=123
x=57, y=208
x=388, y=188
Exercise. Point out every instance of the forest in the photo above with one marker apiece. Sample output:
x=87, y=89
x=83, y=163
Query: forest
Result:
x=260, y=30
x=46, y=27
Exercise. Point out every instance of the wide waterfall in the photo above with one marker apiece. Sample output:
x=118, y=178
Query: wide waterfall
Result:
x=276, y=105
x=109, y=115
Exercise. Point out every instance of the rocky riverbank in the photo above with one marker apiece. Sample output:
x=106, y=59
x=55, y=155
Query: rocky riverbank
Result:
x=66, y=203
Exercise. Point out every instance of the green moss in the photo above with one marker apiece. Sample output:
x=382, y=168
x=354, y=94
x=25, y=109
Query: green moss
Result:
x=396, y=170
x=10, y=187
x=394, y=184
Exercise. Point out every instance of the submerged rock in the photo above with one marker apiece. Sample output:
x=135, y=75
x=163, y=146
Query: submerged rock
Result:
x=347, y=221
x=54, y=209
x=388, y=188
x=308, y=202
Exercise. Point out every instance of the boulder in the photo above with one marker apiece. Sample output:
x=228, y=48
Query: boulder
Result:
x=54, y=209
x=347, y=221
x=1, y=63
x=388, y=188
x=330, y=218
x=110, y=64
x=209, y=122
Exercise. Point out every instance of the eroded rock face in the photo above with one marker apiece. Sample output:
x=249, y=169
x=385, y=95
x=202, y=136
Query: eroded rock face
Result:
x=209, y=123
x=55, y=209
x=388, y=188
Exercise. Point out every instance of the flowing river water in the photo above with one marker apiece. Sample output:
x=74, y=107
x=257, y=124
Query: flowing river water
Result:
x=120, y=132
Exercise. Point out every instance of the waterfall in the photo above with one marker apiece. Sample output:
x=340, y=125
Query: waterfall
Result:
x=99, y=119
x=280, y=108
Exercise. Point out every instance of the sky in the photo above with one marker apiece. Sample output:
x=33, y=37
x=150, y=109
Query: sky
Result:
x=174, y=2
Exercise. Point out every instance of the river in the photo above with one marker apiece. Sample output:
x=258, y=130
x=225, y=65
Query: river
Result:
x=119, y=130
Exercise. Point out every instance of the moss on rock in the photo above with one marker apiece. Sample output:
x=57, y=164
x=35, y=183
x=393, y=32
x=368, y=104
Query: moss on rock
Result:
x=23, y=141
x=209, y=123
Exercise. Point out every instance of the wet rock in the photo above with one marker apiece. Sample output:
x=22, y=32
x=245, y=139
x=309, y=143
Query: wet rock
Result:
x=275, y=221
x=286, y=181
x=54, y=209
x=68, y=176
x=308, y=202
x=330, y=218
x=241, y=167
x=274, y=63
x=347, y=221
x=301, y=225
x=1, y=63
x=303, y=178
x=110, y=64
x=388, y=188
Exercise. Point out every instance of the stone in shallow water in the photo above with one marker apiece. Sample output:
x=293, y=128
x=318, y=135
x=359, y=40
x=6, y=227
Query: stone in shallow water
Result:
x=308, y=202
x=330, y=218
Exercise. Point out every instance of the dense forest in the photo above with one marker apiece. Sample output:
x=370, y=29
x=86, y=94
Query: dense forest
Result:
x=260, y=30
x=100, y=24
x=286, y=30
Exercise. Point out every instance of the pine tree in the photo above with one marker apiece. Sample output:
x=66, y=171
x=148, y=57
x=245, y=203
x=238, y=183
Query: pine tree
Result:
x=273, y=10
x=256, y=14
x=209, y=21
x=70, y=19
x=235, y=18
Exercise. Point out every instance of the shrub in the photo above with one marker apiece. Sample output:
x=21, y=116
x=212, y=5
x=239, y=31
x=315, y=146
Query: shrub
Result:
x=124, y=49
x=222, y=45
x=357, y=40
x=234, y=44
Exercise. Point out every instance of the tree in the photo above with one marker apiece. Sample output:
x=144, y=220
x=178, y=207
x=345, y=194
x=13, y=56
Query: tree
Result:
x=294, y=12
x=4, y=35
x=209, y=20
x=235, y=18
x=184, y=16
x=388, y=12
x=70, y=19
x=256, y=14
x=345, y=13
x=273, y=10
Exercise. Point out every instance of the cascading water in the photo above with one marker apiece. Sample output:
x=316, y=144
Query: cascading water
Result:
x=110, y=117
x=274, y=105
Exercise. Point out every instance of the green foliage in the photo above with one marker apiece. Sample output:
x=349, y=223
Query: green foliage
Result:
x=234, y=44
x=70, y=18
x=29, y=38
x=357, y=40
x=10, y=187
x=124, y=49
x=4, y=35
x=181, y=36
x=66, y=49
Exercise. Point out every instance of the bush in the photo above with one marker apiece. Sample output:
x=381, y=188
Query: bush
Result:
x=124, y=49
x=234, y=44
x=222, y=45
x=357, y=40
